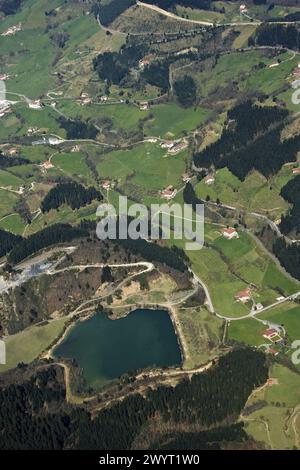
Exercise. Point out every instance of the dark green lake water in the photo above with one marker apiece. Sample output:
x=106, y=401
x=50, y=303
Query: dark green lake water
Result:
x=106, y=349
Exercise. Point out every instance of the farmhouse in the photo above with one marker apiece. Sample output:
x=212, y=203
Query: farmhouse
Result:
x=106, y=184
x=243, y=8
x=230, y=233
x=186, y=177
x=169, y=193
x=243, y=296
x=144, y=106
x=4, y=76
x=103, y=98
x=270, y=334
x=12, y=30
x=273, y=351
x=86, y=101
x=36, y=104
x=12, y=151
x=178, y=148
x=47, y=165
x=167, y=144
x=209, y=180
x=296, y=171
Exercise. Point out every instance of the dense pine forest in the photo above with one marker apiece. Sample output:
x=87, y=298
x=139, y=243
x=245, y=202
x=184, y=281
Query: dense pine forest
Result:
x=206, y=401
x=114, y=66
x=244, y=147
x=186, y=91
x=289, y=256
x=7, y=162
x=73, y=194
x=107, y=13
x=8, y=241
x=58, y=233
x=278, y=35
x=77, y=129
x=291, y=192
x=10, y=7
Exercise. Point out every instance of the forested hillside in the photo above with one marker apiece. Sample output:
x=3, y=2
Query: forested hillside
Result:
x=73, y=194
x=207, y=400
x=251, y=140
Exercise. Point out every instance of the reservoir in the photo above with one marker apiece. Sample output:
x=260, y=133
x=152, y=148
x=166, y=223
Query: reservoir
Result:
x=105, y=349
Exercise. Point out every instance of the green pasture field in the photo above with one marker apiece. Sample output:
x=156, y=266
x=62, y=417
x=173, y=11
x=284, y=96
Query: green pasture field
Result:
x=28, y=344
x=13, y=223
x=277, y=416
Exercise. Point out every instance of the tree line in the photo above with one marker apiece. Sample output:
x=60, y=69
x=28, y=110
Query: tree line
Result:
x=72, y=193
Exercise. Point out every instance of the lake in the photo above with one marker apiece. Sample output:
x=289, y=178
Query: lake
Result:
x=106, y=349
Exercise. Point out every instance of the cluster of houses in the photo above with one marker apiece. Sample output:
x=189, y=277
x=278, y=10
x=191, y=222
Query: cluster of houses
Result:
x=174, y=146
x=12, y=30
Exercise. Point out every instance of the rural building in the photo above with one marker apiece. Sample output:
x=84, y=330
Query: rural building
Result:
x=106, y=184
x=178, y=148
x=259, y=306
x=169, y=193
x=243, y=296
x=209, y=180
x=186, y=177
x=270, y=334
x=243, y=8
x=47, y=165
x=230, y=233
x=273, y=351
x=86, y=101
x=35, y=104
x=296, y=171
x=12, y=151
x=103, y=98
x=167, y=144
x=144, y=106
x=12, y=30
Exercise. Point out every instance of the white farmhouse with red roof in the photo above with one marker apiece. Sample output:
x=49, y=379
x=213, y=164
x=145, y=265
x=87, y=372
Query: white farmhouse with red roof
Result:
x=243, y=296
x=230, y=233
